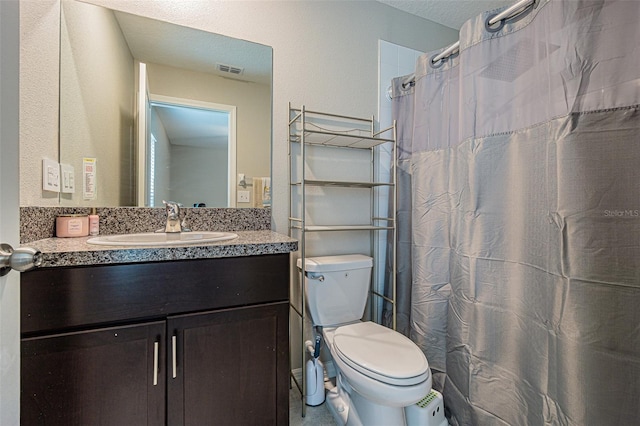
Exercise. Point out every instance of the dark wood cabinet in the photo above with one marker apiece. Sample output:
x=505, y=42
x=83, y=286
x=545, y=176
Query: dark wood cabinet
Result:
x=103, y=376
x=201, y=342
x=226, y=363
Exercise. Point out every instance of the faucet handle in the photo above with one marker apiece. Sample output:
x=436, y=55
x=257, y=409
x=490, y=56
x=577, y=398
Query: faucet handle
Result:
x=173, y=209
x=173, y=216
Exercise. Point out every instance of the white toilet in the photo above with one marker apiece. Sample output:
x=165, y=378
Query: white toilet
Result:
x=381, y=374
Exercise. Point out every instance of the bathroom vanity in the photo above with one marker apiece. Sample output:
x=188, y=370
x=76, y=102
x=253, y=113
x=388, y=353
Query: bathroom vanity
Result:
x=196, y=341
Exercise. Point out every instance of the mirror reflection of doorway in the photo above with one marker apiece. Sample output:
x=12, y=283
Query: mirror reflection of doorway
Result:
x=187, y=140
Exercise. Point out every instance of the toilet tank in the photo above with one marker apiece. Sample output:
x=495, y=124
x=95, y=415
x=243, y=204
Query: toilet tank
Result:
x=337, y=287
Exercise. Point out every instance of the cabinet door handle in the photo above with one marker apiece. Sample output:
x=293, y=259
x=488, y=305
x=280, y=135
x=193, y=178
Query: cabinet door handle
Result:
x=156, y=350
x=174, y=346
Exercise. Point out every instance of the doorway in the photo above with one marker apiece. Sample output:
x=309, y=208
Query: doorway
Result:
x=191, y=153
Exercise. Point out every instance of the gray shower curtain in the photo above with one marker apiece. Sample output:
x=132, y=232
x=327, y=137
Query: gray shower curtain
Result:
x=520, y=178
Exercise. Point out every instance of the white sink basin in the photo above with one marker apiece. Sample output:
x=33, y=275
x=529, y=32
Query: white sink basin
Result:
x=161, y=238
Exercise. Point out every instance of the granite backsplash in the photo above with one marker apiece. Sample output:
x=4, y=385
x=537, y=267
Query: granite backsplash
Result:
x=37, y=223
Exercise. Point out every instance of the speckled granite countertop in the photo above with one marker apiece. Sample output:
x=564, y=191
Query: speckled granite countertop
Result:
x=58, y=252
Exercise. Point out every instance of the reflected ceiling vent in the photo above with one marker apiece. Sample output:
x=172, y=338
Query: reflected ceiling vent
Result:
x=230, y=69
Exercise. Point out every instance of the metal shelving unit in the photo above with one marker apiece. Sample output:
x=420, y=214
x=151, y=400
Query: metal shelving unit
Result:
x=313, y=128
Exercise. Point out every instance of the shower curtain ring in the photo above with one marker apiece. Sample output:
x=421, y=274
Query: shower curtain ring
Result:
x=489, y=28
x=436, y=64
x=450, y=52
x=512, y=14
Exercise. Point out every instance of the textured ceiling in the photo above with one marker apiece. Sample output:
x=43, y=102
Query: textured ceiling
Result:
x=451, y=13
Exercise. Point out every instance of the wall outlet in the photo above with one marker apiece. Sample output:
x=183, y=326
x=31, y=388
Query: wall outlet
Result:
x=50, y=175
x=244, y=197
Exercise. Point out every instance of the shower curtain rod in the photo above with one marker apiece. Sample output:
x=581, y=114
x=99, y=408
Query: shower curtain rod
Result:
x=453, y=49
x=508, y=13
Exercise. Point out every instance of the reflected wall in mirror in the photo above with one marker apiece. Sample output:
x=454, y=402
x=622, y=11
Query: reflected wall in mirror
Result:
x=108, y=108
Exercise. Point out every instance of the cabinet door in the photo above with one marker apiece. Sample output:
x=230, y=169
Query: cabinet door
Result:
x=98, y=377
x=231, y=367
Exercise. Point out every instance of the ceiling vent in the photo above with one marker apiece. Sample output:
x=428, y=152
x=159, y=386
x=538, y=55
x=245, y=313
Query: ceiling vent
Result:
x=230, y=69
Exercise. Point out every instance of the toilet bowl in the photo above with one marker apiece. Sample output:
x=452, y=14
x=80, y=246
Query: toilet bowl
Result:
x=379, y=371
x=380, y=364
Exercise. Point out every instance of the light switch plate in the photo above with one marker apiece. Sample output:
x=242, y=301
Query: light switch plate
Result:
x=68, y=178
x=50, y=175
x=244, y=197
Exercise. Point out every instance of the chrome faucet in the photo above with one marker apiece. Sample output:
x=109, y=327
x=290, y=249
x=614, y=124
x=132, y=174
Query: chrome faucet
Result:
x=173, y=216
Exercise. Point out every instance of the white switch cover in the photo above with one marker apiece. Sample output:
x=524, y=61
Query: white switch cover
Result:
x=243, y=197
x=68, y=178
x=50, y=175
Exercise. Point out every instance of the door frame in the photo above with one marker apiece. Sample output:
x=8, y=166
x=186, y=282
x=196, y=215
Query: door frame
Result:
x=9, y=210
x=145, y=98
x=231, y=110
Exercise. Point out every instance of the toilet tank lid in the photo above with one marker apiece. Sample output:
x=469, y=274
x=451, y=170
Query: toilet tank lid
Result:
x=336, y=263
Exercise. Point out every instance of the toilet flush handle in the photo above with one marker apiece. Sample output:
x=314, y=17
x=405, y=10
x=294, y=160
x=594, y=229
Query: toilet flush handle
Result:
x=313, y=276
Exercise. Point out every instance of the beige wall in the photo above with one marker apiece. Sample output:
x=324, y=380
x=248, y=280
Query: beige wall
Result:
x=195, y=174
x=98, y=72
x=325, y=55
x=39, y=75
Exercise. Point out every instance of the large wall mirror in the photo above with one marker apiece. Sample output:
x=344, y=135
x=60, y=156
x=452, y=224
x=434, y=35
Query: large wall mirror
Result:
x=150, y=110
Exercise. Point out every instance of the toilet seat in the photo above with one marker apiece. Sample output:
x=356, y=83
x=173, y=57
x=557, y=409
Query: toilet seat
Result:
x=381, y=353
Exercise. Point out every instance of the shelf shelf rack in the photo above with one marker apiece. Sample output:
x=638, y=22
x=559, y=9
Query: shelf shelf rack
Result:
x=320, y=129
